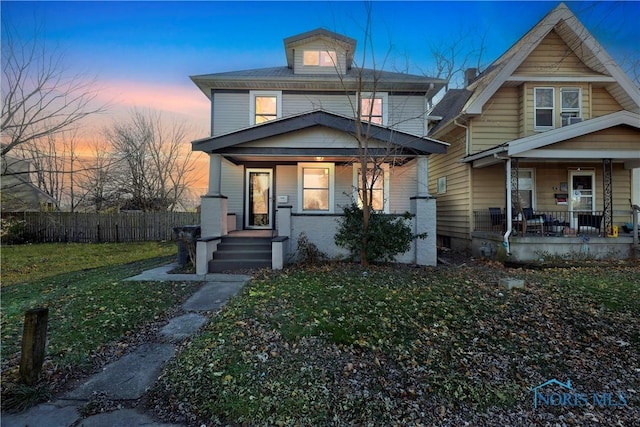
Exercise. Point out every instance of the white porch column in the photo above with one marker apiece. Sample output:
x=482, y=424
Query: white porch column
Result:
x=424, y=209
x=423, y=176
x=215, y=174
x=635, y=186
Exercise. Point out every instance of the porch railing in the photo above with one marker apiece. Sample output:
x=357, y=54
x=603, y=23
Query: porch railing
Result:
x=553, y=223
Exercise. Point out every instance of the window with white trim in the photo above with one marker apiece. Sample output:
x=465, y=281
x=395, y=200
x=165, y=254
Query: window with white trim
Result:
x=265, y=106
x=569, y=104
x=373, y=108
x=544, y=103
x=377, y=183
x=527, y=188
x=320, y=58
x=316, y=187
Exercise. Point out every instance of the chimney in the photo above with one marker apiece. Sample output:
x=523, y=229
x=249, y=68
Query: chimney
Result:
x=470, y=75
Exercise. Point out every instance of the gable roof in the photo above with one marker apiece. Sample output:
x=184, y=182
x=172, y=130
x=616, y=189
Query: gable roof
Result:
x=408, y=143
x=577, y=38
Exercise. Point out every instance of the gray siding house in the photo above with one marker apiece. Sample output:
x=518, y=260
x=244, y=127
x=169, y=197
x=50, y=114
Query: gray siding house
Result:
x=283, y=157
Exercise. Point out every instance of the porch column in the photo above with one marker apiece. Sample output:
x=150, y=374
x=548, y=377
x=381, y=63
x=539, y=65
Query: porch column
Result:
x=423, y=176
x=424, y=211
x=607, y=196
x=215, y=174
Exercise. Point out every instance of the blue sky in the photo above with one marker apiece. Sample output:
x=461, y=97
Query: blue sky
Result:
x=141, y=50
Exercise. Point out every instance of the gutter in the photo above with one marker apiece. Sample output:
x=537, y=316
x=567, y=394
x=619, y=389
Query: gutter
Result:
x=466, y=136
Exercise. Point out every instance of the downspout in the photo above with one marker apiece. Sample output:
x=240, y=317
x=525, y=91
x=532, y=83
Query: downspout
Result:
x=466, y=136
x=505, y=239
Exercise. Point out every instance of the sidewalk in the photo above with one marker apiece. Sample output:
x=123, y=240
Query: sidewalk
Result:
x=128, y=378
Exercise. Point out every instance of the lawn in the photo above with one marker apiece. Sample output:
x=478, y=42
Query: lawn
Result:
x=338, y=345
x=90, y=307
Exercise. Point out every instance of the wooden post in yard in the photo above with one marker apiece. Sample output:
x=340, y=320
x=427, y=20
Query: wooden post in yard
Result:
x=34, y=340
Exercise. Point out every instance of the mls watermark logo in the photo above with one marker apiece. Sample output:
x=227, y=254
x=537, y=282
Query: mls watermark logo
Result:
x=563, y=394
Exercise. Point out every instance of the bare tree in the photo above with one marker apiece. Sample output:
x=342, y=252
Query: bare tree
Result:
x=154, y=164
x=39, y=97
x=96, y=187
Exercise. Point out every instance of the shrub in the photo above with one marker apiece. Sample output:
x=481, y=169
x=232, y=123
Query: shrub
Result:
x=308, y=253
x=387, y=235
x=12, y=231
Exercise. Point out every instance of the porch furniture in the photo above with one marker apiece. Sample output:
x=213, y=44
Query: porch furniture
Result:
x=497, y=218
x=589, y=220
x=533, y=221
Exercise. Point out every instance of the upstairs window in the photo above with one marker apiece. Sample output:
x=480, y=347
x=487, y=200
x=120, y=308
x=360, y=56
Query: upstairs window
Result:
x=265, y=106
x=543, y=100
x=570, y=104
x=373, y=108
x=320, y=58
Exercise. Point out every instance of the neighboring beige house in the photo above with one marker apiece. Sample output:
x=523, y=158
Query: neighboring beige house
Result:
x=284, y=160
x=545, y=150
x=19, y=193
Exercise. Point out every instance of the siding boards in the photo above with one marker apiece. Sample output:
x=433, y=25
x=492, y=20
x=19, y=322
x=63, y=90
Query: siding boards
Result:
x=603, y=103
x=553, y=57
x=616, y=138
x=230, y=112
x=453, y=206
x=499, y=121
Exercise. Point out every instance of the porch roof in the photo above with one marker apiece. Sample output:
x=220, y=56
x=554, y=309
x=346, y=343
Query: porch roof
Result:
x=230, y=144
x=534, y=146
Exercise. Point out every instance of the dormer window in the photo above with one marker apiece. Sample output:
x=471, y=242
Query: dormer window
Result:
x=320, y=58
x=265, y=106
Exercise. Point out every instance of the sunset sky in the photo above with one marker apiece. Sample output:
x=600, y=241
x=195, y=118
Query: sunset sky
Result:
x=142, y=53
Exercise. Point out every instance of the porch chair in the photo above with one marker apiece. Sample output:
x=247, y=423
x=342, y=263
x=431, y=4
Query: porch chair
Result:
x=533, y=221
x=497, y=218
x=589, y=220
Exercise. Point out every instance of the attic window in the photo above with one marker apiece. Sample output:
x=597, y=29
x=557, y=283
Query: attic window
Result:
x=320, y=58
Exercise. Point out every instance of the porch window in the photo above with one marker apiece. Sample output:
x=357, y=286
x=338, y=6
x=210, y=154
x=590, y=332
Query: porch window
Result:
x=316, y=187
x=320, y=58
x=570, y=104
x=543, y=100
x=373, y=108
x=526, y=188
x=265, y=106
x=378, y=185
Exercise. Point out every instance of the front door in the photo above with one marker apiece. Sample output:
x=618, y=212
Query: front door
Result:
x=258, y=204
x=581, y=195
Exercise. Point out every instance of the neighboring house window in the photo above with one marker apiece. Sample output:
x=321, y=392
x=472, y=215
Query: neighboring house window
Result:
x=526, y=188
x=320, y=58
x=373, y=108
x=570, y=104
x=543, y=99
x=265, y=106
x=316, y=182
x=378, y=184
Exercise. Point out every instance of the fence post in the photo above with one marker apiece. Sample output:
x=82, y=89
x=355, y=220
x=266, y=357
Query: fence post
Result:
x=34, y=340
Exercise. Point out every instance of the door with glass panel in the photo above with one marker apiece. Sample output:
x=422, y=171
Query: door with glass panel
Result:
x=258, y=204
x=581, y=196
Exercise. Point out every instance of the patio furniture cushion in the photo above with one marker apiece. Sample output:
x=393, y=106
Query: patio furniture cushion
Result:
x=589, y=220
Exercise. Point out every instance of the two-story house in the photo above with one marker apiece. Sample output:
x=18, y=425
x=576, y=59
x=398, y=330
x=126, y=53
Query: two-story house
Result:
x=284, y=155
x=18, y=191
x=544, y=150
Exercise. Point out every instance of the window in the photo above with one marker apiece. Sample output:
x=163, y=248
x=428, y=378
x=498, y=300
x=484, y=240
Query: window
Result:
x=378, y=183
x=570, y=104
x=543, y=98
x=372, y=108
x=321, y=58
x=315, y=191
x=526, y=188
x=265, y=106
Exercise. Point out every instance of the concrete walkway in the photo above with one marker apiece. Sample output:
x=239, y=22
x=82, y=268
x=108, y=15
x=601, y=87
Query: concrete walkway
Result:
x=128, y=378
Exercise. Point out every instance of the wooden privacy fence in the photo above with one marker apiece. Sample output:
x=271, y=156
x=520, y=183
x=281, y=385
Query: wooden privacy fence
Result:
x=41, y=227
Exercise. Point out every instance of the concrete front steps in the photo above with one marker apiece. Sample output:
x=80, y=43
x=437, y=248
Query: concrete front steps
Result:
x=239, y=253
